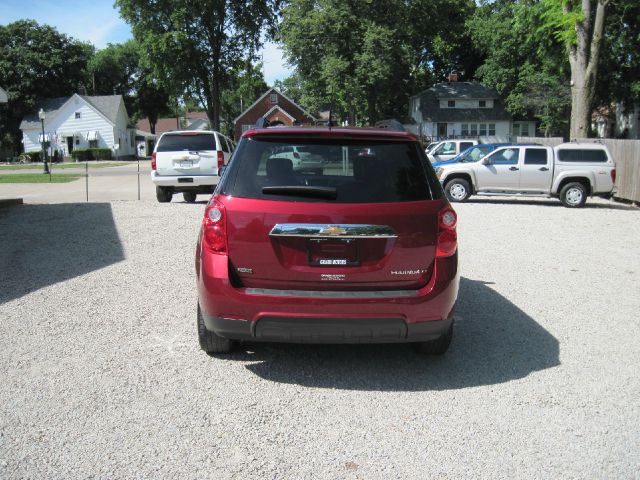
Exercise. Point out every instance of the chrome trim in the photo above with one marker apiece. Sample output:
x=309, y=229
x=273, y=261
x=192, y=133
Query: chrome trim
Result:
x=332, y=294
x=342, y=230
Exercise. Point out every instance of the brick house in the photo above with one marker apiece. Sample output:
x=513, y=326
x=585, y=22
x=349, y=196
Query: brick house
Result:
x=276, y=108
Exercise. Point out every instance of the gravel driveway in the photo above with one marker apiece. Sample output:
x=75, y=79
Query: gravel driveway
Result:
x=102, y=376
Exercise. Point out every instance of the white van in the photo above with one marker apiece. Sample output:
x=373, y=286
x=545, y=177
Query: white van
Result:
x=447, y=149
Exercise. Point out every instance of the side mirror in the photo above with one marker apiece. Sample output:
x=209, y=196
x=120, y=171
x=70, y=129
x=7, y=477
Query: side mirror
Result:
x=485, y=161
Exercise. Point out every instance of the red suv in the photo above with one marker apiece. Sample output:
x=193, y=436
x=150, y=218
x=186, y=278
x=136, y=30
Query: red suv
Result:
x=361, y=250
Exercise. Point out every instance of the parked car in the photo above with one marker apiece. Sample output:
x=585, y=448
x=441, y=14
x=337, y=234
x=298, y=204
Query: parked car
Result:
x=301, y=158
x=429, y=147
x=365, y=251
x=188, y=161
x=570, y=172
x=472, y=154
x=447, y=149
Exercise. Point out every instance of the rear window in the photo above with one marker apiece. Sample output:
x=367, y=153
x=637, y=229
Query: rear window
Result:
x=359, y=171
x=190, y=141
x=582, y=155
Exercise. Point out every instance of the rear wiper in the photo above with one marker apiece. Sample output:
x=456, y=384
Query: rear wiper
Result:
x=302, y=190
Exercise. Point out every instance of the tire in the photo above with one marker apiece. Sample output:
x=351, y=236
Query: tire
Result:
x=439, y=346
x=189, y=197
x=209, y=341
x=164, y=194
x=573, y=195
x=457, y=190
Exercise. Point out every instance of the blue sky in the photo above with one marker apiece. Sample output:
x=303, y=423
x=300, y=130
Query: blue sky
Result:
x=98, y=22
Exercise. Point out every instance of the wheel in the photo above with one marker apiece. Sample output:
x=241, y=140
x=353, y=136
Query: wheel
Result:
x=163, y=194
x=189, y=197
x=573, y=195
x=438, y=346
x=209, y=341
x=457, y=190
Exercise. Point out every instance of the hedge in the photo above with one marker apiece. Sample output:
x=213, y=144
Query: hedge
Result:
x=81, y=154
x=36, y=155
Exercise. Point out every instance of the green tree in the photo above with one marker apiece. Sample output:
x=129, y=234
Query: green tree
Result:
x=37, y=61
x=579, y=24
x=196, y=45
x=367, y=58
x=247, y=84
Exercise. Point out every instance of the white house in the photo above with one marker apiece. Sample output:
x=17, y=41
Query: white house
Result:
x=81, y=121
x=465, y=109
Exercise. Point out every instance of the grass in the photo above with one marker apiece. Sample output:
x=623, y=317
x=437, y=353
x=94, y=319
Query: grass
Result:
x=57, y=166
x=38, y=178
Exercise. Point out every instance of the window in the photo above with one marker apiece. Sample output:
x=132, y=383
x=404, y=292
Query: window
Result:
x=77, y=141
x=492, y=129
x=451, y=104
x=246, y=127
x=516, y=129
x=77, y=115
x=465, y=145
x=508, y=156
x=465, y=129
x=595, y=155
x=525, y=129
x=93, y=144
x=474, y=129
x=361, y=171
x=447, y=148
x=223, y=144
x=535, y=156
x=176, y=142
x=482, y=103
x=274, y=98
x=483, y=129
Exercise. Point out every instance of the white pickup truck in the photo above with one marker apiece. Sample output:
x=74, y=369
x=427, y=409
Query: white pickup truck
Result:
x=570, y=172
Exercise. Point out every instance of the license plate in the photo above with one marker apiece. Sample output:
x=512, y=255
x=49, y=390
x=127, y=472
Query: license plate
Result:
x=333, y=252
x=186, y=163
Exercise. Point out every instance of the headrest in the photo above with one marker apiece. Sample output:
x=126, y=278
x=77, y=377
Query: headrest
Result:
x=279, y=167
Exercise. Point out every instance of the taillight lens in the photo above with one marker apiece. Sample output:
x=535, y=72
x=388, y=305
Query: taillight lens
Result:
x=214, y=228
x=220, y=159
x=613, y=175
x=447, y=234
x=153, y=161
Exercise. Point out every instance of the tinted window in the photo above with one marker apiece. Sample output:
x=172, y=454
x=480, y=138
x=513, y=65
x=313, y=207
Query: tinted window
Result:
x=508, y=156
x=360, y=171
x=535, y=156
x=188, y=141
x=223, y=144
x=465, y=145
x=579, y=155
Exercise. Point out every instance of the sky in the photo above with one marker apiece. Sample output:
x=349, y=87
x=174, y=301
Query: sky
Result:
x=98, y=22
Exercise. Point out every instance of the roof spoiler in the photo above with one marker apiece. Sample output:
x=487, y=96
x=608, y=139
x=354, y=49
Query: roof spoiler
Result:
x=391, y=124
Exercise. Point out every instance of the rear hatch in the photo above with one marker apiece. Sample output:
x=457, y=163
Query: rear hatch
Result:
x=368, y=222
x=186, y=153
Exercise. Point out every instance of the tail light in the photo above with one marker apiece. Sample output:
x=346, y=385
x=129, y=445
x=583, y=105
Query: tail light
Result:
x=613, y=175
x=153, y=161
x=214, y=228
x=220, y=159
x=296, y=155
x=447, y=236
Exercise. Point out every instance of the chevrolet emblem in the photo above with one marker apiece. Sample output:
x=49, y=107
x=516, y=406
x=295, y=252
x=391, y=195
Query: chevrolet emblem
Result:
x=333, y=230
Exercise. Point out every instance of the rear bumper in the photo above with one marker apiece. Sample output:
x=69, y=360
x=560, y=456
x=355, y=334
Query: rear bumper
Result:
x=241, y=314
x=185, y=181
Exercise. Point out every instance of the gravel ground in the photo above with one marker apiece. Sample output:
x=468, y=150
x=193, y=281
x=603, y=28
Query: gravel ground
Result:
x=102, y=376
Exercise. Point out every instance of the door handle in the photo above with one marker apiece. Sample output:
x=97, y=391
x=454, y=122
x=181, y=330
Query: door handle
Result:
x=543, y=169
x=513, y=169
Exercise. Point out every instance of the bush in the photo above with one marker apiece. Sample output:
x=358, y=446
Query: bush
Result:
x=82, y=154
x=36, y=155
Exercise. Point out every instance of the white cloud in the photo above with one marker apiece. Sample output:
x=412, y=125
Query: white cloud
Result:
x=275, y=67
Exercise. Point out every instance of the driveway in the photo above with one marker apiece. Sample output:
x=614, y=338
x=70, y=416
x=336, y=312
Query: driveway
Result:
x=102, y=375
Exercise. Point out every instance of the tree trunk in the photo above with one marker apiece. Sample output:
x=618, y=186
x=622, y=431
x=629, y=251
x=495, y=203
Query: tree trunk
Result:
x=583, y=59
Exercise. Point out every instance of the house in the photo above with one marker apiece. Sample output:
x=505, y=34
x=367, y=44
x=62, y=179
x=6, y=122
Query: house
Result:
x=276, y=108
x=3, y=96
x=80, y=121
x=456, y=109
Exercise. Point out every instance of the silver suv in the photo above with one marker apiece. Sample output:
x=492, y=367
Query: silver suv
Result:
x=188, y=161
